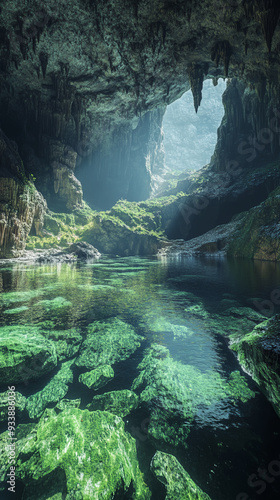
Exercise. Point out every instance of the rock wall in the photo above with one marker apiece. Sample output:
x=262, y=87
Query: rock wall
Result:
x=22, y=207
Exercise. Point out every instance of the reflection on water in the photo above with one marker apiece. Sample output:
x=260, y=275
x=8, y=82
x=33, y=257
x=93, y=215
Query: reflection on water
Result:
x=219, y=432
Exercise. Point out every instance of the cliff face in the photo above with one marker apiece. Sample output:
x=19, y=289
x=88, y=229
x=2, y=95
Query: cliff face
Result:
x=96, y=77
x=22, y=207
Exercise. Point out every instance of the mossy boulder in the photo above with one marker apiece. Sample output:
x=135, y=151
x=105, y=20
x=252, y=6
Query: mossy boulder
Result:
x=20, y=403
x=179, y=484
x=65, y=404
x=259, y=354
x=55, y=304
x=67, y=342
x=107, y=342
x=120, y=403
x=95, y=379
x=24, y=354
x=55, y=390
x=175, y=392
x=92, y=448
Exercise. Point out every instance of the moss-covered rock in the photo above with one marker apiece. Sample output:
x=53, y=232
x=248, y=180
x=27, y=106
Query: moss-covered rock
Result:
x=259, y=354
x=67, y=342
x=24, y=354
x=179, y=484
x=55, y=304
x=120, y=403
x=176, y=391
x=55, y=390
x=97, y=378
x=107, y=342
x=65, y=404
x=20, y=403
x=258, y=231
x=98, y=457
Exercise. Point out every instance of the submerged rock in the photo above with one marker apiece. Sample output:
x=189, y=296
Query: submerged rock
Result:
x=67, y=342
x=24, y=354
x=120, y=403
x=175, y=392
x=66, y=404
x=97, y=378
x=179, y=484
x=55, y=390
x=259, y=354
x=97, y=456
x=20, y=403
x=107, y=342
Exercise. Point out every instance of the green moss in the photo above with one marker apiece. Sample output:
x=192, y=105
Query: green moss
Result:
x=257, y=235
x=178, y=390
x=24, y=354
x=12, y=297
x=55, y=390
x=107, y=342
x=16, y=310
x=120, y=403
x=98, y=457
x=97, y=378
x=54, y=304
x=258, y=354
x=67, y=342
x=20, y=403
x=179, y=484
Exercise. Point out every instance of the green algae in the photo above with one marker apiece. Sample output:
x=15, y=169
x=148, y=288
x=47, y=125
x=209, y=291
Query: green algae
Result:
x=66, y=404
x=16, y=310
x=178, y=390
x=107, y=342
x=179, y=484
x=12, y=297
x=24, y=354
x=198, y=311
x=54, y=304
x=97, y=456
x=55, y=390
x=258, y=353
x=120, y=403
x=95, y=379
x=67, y=342
x=20, y=403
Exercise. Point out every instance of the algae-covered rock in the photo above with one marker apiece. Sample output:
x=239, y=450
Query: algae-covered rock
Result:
x=16, y=310
x=67, y=342
x=20, y=403
x=107, y=342
x=120, y=403
x=98, y=457
x=54, y=304
x=55, y=390
x=97, y=378
x=259, y=354
x=65, y=404
x=176, y=392
x=179, y=484
x=25, y=438
x=24, y=354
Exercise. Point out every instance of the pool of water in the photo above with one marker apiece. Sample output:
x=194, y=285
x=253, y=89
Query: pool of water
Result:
x=188, y=306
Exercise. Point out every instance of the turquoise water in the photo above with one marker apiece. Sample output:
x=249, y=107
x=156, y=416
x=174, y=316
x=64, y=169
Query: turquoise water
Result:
x=220, y=434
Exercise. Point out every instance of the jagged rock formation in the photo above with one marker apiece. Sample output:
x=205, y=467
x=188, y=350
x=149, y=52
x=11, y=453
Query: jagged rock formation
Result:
x=22, y=207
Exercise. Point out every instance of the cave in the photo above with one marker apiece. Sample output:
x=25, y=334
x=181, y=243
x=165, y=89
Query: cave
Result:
x=139, y=285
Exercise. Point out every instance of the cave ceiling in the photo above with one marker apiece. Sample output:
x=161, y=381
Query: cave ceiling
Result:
x=79, y=71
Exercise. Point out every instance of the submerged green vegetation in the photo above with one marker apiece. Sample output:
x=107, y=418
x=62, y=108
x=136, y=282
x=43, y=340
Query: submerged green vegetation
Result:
x=100, y=349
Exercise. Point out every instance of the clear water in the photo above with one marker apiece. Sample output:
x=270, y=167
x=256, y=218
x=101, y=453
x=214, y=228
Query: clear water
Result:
x=229, y=441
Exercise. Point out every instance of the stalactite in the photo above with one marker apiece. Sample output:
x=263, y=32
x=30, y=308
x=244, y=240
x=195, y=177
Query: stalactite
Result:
x=43, y=56
x=222, y=50
x=196, y=76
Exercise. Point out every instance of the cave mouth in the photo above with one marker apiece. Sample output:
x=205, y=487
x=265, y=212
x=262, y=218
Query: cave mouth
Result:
x=189, y=138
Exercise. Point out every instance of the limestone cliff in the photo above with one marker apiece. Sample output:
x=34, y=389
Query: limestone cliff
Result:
x=22, y=207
